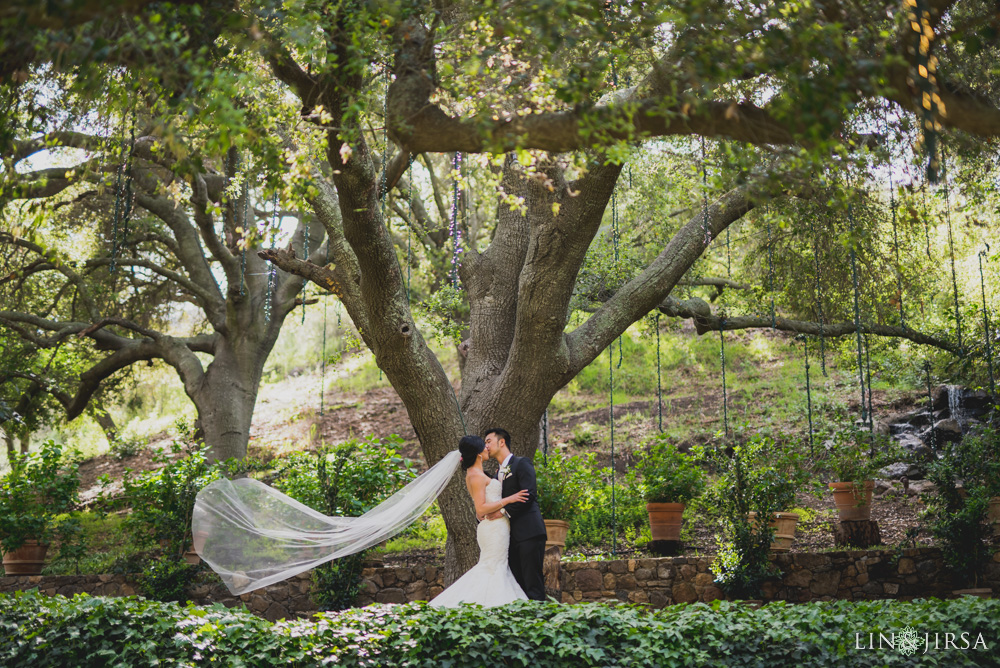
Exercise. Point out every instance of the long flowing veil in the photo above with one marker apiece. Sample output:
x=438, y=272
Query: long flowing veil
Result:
x=252, y=535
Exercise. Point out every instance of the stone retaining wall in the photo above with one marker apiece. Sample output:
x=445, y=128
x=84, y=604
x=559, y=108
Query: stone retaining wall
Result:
x=823, y=576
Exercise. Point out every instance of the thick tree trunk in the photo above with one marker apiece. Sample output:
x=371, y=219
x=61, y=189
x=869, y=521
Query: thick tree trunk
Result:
x=107, y=425
x=226, y=397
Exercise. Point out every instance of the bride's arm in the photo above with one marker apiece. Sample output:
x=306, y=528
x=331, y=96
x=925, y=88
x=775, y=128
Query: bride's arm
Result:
x=477, y=490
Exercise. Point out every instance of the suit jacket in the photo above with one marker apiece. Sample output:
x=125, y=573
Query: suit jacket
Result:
x=525, y=517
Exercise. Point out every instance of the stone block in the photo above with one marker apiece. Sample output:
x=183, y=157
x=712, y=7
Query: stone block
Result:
x=927, y=567
x=609, y=581
x=873, y=588
x=712, y=593
x=589, y=579
x=618, y=566
x=643, y=574
x=664, y=572
x=367, y=587
x=416, y=591
x=651, y=564
x=703, y=579
x=862, y=579
x=391, y=595
x=891, y=588
x=658, y=599
x=434, y=590
x=404, y=575
x=638, y=597
x=799, y=578
x=626, y=581
x=826, y=583
x=906, y=566
x=684, y=593
x=275, y=612
x=687, y=572
x=258, y=603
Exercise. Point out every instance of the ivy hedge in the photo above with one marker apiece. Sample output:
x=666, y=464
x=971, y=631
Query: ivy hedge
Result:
x=38, y=630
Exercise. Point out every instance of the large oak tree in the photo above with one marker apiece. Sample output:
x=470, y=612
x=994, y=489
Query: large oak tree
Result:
x=329, y=103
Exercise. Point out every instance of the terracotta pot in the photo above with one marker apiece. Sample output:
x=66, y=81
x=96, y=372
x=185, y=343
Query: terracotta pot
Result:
x=784, y=530
x=198, y=540
x=853, y=503
x=191, y=557
x=25, y=560
x=665, y=520
x=556, y=530
x=981, y=592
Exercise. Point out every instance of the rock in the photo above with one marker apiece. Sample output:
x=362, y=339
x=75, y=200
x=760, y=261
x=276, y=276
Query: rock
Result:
x=918, y=487
x=589, y=579
x=906, y=566
x=391, y=595
x=684, y=593
x=947, y=431
x=609, y=581
x=799, y=578
x=658, y=599
x=893, y=471
x=712, y=593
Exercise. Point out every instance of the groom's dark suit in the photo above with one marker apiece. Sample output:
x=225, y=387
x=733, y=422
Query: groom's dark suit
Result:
x=527, y=531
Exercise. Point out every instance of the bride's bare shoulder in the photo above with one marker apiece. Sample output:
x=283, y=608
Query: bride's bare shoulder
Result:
x=476, y=477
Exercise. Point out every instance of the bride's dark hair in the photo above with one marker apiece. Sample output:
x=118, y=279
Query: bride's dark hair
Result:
x=470, y=447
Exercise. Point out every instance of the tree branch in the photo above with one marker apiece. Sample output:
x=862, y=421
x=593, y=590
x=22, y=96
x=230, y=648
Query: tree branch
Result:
x=705, y=321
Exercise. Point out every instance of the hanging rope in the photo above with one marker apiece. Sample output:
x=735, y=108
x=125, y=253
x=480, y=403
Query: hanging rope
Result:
x=809, y=403
x=611, y=386
x=615, y=240
x=322, y=367
x=246, y=232
x=545, y=435
x=857, y=318
x=930, y=406
x=409, y=231
x=704, y=195
x=123, y=197
x=659, y=385
x=770, y=271
x=722, y=357
x=819, y=300
x=895, y=246
x=456, y=234
x=271, y=272
x=868, y=372
x=951, y=247
x=305, y=257
x=986, y=321
x=927, y=223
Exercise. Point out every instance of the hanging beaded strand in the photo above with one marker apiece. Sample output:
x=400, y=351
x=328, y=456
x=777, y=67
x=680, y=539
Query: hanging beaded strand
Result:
x=986, y=321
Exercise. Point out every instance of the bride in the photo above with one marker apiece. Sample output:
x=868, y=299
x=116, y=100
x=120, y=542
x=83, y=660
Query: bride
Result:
x=252, y=535
x=490, y=582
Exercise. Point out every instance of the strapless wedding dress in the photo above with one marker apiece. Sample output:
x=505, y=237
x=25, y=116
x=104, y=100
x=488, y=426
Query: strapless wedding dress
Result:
x=490, y=582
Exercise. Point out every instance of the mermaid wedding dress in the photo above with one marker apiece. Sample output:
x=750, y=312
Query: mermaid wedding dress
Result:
x=490, y=582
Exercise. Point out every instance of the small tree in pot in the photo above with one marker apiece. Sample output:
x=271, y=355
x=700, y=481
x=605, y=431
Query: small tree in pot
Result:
x=671, y=479
x=562, y=481
x=39, y=488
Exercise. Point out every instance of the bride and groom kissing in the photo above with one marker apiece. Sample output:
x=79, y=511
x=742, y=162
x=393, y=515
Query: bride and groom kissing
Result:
x=511, y=534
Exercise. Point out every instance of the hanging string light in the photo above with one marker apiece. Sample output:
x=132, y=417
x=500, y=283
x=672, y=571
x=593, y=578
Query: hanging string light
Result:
x=819, y=300
x=857, y=316
x=951, y=247
x=305, y=258
x=722, y=358
x=611, y=412
x=659, y=384
x=322, y=368
x=986, y=320
x=124, y=197
x=809, y=403
x=271, y=271
x=456, y=233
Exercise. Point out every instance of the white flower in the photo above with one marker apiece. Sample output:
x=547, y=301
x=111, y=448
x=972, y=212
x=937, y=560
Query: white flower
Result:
x=505, y=471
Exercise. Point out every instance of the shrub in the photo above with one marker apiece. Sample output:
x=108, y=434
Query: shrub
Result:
x=605, y=517
x=36, y=630
x=958, y=514
x=748, y=484
x=563, y=481
x=856, y=455
x=39, y=488
x=669, y=475
x=346, y=479
x=124, y=447
x=162, y=501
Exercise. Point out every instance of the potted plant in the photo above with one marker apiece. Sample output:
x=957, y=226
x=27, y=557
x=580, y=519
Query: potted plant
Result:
x=781, y=489
x=967, y=480
x=853, y=468
x=671, y=479
x=561, y=481
x=39, y=487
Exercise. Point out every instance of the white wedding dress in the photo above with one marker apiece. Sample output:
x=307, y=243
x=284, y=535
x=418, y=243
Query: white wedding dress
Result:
x=490, y=582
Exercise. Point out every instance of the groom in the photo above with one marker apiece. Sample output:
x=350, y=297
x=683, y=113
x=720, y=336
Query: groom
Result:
x=527, y=531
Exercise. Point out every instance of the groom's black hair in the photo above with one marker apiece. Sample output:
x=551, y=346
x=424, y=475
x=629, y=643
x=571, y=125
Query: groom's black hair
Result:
x=501, y=433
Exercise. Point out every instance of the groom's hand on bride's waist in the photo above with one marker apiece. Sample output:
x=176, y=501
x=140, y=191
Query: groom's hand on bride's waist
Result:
x=495, y=515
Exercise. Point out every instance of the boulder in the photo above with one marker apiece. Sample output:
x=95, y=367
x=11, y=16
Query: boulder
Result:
x=893, y=472
x=947, y=431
